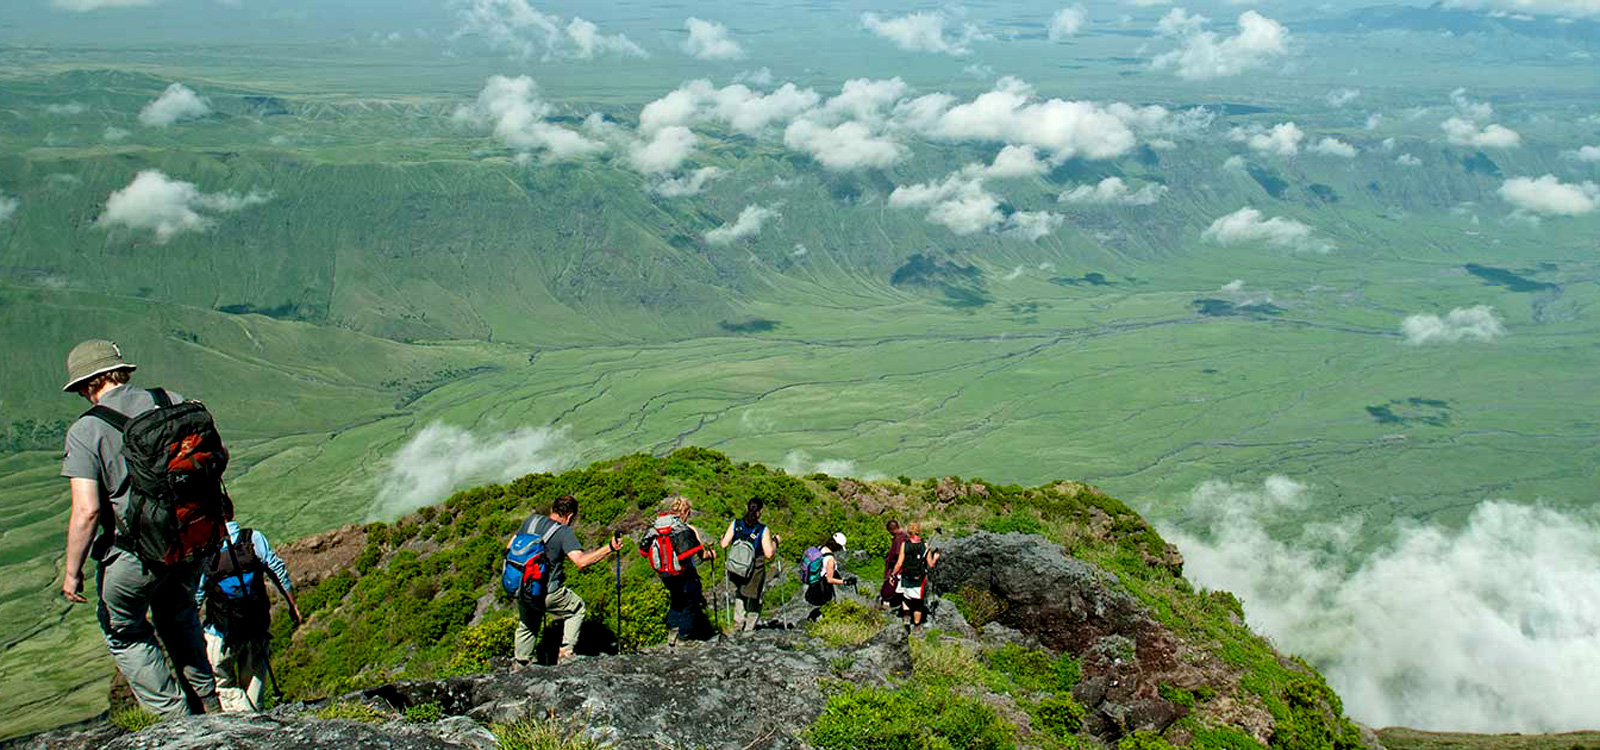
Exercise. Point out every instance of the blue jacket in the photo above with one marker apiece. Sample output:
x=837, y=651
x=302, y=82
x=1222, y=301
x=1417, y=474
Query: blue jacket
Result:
x=275, y=567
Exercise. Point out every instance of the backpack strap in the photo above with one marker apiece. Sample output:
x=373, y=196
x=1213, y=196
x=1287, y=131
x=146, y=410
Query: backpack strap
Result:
x=163, y=400
x=549, y=533
x=110, y=416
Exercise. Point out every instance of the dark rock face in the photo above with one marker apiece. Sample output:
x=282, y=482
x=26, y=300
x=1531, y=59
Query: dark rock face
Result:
x=762, y=691
x=1072, y=606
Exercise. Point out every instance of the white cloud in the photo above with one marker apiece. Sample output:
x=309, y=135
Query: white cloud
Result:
x=1011, y=114
x=1233, y=287
x=709, y=40
x=512, y=110
x=170, y=207
x=959, y=203
x=846, y=146
x=1567, y=8
x=1341, y=97
x=1067, y=22
x=736, y=106
x=82, y=6
x=1235, y=163
x=1590, y=154
x=749, y=223
x=1029, y=226
x=1113, y=191
x=1470, y=108
x=442, y=459
x=689, y=184
x=1407, y=160
x=923, y=32
x=1484, y=627
x=114, y=134
x=664, y=151
x=1548, y=195
x=70, y=108
x=1201, y=55
x=1374, y=120
x=523, y=31
x=1334, y=147
x=1461, y=324
x=798, y=463
x=8, y=207
x=1249, y=225
x=1463, y=132
x=1015, y=161
x=1282, y=139
x=175, y=104
x=759, y=77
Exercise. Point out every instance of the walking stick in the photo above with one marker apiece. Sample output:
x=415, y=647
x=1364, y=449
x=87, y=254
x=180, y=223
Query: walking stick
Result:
x=619, y=602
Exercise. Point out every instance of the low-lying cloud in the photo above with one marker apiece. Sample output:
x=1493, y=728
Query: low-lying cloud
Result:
x=924, y=32
x=1478, y=323
x=443, y=458
x=798, y=463
x=1589, y=154
x=512, y=110
x=709, y=40
x=176, y=104
x=689, y=184
x=1202, y=55
x=1493, y=626
x=1282, y=139
x=1112, y=191
x=1067, y=22
x=749, y=224
x=8, y=207
x=524, y=32
x=1463, y=132
x=156, y=202
x=84, y=6
x=1249, y=225
x=1334, y=147
x=1568, y=8
x=961, y=203
x=1548, y=195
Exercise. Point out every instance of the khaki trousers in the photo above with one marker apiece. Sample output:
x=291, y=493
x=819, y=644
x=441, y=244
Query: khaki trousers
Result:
x=241, y=673
x=562, y=604
x=133, y=594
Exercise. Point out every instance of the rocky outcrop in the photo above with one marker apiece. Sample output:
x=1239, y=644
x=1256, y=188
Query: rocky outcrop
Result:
x=1072, y=606
x=761, y=691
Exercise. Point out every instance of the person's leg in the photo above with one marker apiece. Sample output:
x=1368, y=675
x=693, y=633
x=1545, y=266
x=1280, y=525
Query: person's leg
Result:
x=257, y=658
x=125, y=587
x=224, y=665
x=680, y=622
x=529, y=619
x=565, y=605
x=738, y=613
x=177, y=621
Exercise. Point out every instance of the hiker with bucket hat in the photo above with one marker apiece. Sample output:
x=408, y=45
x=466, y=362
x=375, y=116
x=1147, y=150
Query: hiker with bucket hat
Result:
x=147, y=571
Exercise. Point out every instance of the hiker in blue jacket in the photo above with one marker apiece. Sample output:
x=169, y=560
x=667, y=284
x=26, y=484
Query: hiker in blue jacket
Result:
x=238, y=642
x=759, y=544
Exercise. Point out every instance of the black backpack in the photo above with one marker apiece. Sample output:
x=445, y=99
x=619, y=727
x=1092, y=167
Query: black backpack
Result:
x=176, y=503
x=915, y=567
x=236, y=592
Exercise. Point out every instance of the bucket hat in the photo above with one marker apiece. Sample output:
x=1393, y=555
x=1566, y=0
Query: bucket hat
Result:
x=838, y=537
x=91, y=358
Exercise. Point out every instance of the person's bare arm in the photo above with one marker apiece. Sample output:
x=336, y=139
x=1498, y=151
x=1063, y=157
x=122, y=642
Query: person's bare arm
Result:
x=80, y=534
x=899, y=562
x=769, y=543
x=830, y=571
x=727, y=536
x=585, y=559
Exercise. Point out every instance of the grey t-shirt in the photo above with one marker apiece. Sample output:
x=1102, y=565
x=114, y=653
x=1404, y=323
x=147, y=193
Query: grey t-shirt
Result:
x=556, y=549
x=94, y=447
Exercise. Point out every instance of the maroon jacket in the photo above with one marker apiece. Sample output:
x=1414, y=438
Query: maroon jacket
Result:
x=886, y=592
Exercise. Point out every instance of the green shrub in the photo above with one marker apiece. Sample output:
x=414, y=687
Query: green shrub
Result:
x=134, y=719
x=910, y=717
x=532, y=733
x=1019, y=521
x=846, y=623
x=1221, y=738
x=368, y=559
x=350, y=711
x=476, y=645
x=1036, y=671
x=1143, y=739
x=1059, y=715
x=424, y=713
x=978, y=606
x=1177, y=695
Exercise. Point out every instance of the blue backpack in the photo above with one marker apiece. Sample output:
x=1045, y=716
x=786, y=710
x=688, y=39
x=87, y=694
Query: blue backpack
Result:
x=526, y=566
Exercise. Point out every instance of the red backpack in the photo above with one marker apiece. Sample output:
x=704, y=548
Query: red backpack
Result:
x=668, y=544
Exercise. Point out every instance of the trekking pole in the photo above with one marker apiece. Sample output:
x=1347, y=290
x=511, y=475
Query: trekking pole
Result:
x=619, y=602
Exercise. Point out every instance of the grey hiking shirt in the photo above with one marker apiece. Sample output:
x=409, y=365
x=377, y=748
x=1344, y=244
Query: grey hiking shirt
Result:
x=562, y=543
x=94, y=451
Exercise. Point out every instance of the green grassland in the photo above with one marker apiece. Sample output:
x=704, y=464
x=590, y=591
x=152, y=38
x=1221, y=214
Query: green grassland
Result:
x=408, y=271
